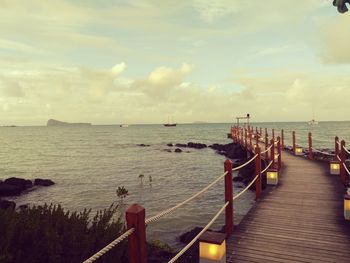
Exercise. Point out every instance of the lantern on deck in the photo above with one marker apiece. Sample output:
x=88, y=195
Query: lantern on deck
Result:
x=212, y=247
x=272, y=177
x=334, y=167
x=347, y=206
x=298, y=150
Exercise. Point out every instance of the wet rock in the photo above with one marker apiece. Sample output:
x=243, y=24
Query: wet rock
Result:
x=167, y=150
x=196, y=145
x=178, y=150
x=237, y=179
x=5, y=204
x=230, y=150
x=170, y=145
x=181, y=145
x=43, y=182
x=9, y=190
x=19, y=182
x=143, y=145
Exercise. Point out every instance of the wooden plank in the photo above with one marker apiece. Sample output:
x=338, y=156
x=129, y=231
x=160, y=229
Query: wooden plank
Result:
x=301, y=220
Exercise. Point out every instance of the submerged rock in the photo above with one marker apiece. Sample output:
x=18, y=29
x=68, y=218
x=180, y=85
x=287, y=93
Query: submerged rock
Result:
x=178, y=150
x=143, y=145
x=181, y=145
x=170, y=145
x=21, y=183
x=196, y=145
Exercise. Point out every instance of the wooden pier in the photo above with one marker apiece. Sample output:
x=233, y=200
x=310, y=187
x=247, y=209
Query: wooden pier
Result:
x=301, y=220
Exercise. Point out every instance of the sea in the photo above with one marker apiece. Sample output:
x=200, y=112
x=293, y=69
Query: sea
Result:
x=88, y=164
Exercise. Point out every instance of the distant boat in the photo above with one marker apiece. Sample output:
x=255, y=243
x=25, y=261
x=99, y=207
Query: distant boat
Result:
x=124, y=125
x=313, y=122
x=170, y=124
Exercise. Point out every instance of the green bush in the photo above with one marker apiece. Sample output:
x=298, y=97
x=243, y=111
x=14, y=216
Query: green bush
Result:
x=48, y=233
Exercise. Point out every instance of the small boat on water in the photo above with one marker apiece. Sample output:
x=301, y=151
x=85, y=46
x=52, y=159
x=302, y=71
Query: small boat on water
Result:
x=170, y=124
x=313, y=122
x=124, y=125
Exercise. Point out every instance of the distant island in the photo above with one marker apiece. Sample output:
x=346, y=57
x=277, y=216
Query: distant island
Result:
x=53, y=122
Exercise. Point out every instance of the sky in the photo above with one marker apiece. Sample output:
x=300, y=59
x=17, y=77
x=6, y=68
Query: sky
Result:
x=112, y=62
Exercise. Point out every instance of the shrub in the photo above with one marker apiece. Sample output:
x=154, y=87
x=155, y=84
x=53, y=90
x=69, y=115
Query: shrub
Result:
x=48, y=233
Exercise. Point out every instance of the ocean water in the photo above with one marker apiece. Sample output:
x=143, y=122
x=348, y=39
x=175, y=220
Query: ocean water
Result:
x=89, y=163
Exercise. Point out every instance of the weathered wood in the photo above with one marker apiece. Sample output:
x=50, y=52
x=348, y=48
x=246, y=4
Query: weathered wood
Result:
x=301, y=220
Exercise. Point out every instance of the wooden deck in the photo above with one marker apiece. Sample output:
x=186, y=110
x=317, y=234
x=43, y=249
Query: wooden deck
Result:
x=301, y=220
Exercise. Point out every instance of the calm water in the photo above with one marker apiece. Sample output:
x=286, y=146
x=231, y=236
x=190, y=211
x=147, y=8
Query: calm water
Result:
x=89, y=163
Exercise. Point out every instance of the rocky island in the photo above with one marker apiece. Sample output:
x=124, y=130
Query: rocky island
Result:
x=53, y=122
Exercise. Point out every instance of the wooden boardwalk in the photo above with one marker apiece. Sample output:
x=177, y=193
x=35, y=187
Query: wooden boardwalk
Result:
x=301, y=220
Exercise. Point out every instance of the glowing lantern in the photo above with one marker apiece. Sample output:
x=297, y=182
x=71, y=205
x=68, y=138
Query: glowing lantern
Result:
x=334, y=167
x=272, y=177
x=276, y=156
x=347, y=206
x=212, y=247
x=298, y=150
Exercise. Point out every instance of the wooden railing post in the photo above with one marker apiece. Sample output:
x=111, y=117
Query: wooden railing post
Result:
x=310, y=146
x=260, y=131
x=228, y=198
x=135, y=218
x=257, y=136
x=279, y=151
x=342, y=161
x=250, y=140
x=245, y=139
x=266, y=146
x=282, y=138
x=272, y=154
x=258, y=185
x=293, y=140
x=336, y=148
x=273, y=134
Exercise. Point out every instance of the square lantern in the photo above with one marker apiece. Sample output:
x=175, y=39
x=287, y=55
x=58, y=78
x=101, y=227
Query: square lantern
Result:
x=347, y=206
x=334, y=167
x=212, y=247
x=276, y=156
x=298, y=150
x=272, y=177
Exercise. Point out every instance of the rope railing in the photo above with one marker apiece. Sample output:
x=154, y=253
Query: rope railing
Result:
x=322, y=152
x=338, y=158
x=268, y=149
x=245, y=164
x=172, y=209
x=346, y=150
x=346, y=168
x=267, y=167
x=182, y=251
x=109, y=246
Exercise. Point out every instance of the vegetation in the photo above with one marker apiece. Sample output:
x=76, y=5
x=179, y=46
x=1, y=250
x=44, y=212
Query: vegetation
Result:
x=50, y=234
x=122, y=192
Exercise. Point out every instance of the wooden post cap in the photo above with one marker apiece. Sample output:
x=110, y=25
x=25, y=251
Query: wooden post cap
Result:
x=212, y=237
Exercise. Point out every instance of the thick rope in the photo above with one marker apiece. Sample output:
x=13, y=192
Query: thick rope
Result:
x=267, y=167
x=268, y=149
x=172, y=209
x=338, y=158
x=182, y=251
x=246, y=163
x=110, y=246
x=346, y=150
x=346, y=168
x=325, y=153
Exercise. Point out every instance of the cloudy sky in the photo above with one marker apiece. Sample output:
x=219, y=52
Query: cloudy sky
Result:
x=139, y=61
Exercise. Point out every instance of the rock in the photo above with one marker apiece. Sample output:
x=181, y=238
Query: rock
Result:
x=9, y=190
x=170, y=145
x=231, y=150
x=22, y=183
x=22, y=207
x=178, y=150
x=167, y=150
x=181, y=145
x=238, y=179
x=43, y=182
x=143, y=145
x=196, y=145
x=5, y=204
